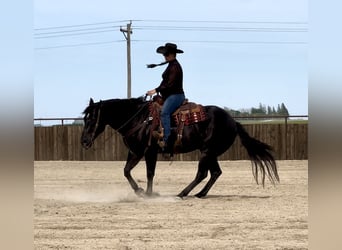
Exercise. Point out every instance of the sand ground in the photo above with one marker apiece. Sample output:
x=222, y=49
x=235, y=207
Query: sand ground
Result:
x=90, y=205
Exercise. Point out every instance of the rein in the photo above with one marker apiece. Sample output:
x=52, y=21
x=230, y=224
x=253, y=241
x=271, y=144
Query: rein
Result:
x=130, y=119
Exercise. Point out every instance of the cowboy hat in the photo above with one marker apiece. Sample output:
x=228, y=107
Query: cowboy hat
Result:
x=169, y=48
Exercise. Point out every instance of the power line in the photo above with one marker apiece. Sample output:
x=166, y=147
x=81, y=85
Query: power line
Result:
x=74, y=34
x=73, y=30
x=220, y=29
x=176, y=21
x=78, y=45
x=228, y=41
x=78, y=32
x=102, y=27
x=79, y=25
x=70, y=30
x=180, y=41
x=240, y=22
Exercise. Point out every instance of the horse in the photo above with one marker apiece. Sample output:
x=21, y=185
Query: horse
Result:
x=132, y=119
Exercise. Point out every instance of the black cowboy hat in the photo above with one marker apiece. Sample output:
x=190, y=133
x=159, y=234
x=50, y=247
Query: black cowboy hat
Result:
x=169, y=48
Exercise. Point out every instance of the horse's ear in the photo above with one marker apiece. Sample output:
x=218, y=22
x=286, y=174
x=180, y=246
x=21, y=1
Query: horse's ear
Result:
x=91, y=101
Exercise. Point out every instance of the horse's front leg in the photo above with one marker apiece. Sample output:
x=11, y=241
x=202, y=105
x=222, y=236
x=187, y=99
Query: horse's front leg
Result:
x=151, y=160
x=132, y=161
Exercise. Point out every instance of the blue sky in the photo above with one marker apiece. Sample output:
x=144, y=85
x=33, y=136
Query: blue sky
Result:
x=237, y=53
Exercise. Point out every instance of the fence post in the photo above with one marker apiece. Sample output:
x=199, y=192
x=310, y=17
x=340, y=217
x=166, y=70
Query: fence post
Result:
x=286, y=117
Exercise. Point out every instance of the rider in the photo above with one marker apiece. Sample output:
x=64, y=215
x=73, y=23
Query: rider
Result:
x=170, y=88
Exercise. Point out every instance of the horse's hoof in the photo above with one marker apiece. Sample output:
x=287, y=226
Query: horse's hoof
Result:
x=199, y=195
x=181, y=195
x=152, y=195
x=140, y=192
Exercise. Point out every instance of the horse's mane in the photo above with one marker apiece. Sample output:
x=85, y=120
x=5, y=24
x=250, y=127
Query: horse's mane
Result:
x=127, y=101
x=86, y=110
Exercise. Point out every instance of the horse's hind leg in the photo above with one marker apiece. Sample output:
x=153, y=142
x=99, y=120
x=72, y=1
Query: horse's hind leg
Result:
x=202, y=173
x=215, y=172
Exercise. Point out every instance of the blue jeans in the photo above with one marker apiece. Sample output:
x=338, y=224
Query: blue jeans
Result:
x=170, y=105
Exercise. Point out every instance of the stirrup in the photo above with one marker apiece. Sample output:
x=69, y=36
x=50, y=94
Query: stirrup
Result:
x=157, y=135
x=162, y=144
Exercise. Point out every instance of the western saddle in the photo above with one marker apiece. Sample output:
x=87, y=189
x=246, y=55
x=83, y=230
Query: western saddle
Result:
x=188, y=113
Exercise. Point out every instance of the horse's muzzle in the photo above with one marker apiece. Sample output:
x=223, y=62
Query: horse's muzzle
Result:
x=86, y=143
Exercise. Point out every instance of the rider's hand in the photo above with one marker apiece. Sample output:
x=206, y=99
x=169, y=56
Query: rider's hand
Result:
x=151, y=92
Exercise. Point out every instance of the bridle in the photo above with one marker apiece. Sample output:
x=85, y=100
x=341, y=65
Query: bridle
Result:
x=129, y=132
x=96, y=125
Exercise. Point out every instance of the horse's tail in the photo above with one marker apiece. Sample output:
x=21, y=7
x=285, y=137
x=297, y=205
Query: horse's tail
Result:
x=260, y=153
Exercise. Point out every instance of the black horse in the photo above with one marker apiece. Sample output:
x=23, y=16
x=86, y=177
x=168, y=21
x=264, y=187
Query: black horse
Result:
x=131, y=118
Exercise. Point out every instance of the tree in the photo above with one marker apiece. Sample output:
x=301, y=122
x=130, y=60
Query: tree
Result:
x=262, y=108
x=283, y=110
x=261, y=111
x=273, y=111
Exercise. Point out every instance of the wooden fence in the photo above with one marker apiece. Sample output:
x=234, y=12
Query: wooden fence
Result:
x=290, y=141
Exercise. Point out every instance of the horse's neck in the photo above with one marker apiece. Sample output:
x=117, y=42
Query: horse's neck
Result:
x=119, y=114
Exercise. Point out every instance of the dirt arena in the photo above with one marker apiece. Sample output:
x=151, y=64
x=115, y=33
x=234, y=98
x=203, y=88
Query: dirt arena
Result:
x=90, y=205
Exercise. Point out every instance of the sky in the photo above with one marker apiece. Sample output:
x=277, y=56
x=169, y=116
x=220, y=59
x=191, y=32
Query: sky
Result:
x=237, y=53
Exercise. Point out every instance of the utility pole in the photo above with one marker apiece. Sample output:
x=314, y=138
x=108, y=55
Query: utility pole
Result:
x=128, y=30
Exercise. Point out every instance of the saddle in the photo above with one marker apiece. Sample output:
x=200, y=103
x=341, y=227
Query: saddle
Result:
x=187, y=114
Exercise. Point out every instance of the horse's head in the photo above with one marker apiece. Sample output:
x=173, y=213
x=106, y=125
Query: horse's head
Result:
x=93, y=126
